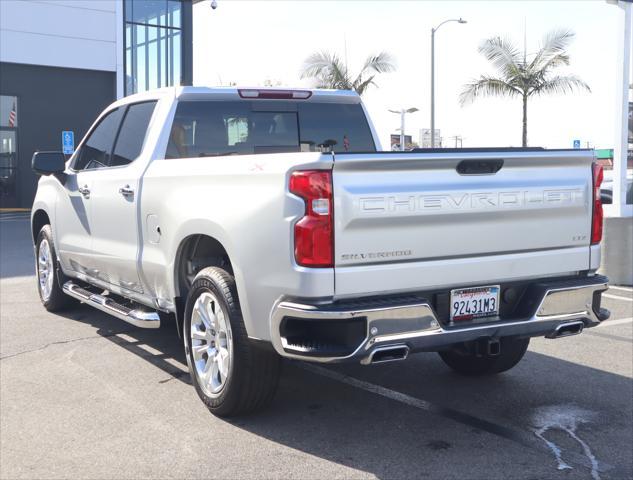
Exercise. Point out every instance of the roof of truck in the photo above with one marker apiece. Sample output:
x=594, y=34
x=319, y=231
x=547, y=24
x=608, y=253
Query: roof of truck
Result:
x=233, y=93
x=318, y=94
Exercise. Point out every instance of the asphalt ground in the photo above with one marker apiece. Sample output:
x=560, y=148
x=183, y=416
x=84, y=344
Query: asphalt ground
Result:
x=84, y=395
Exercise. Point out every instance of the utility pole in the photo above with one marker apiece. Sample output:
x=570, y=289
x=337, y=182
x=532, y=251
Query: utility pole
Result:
x=458, y=139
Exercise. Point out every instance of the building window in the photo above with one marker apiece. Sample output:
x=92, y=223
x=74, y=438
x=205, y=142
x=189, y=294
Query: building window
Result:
x=8, y=149
x=153, y=44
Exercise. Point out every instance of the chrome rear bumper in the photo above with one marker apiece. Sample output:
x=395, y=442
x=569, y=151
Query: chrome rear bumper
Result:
x=412, y=323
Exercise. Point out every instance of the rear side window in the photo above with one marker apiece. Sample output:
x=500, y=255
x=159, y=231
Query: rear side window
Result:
x=335, y=127
x=212, y=128
x=95, y=152
x=131, y=137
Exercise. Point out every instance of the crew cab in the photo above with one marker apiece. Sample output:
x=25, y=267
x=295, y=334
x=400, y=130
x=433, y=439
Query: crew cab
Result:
x=268, y=223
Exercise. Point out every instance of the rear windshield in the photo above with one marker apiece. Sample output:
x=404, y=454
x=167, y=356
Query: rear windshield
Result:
x=213, y=128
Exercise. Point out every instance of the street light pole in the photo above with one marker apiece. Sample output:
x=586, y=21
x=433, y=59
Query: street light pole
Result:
x=433, y=87
x=402, y=130
x=402, y=113
x=433, y=30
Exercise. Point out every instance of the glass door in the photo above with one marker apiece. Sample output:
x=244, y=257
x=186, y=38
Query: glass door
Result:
x=8, y=168
x=8, y=151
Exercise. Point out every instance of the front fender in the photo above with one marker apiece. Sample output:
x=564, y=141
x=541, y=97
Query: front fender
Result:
x=45, y=201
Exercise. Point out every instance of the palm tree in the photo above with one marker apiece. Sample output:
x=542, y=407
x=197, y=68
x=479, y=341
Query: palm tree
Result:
x=330, y=71
x=523, y=75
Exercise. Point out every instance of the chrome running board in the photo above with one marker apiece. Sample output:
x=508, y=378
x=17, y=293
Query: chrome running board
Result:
x=136, y=317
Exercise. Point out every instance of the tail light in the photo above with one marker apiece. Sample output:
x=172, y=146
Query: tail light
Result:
x=597, y=217
x=314, y=241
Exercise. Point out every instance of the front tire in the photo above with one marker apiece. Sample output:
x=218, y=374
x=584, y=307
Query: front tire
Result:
x=229, y=373
x=466, y=362
x=49, y=275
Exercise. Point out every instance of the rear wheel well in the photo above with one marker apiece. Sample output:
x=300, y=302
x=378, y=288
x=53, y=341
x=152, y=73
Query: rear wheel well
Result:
x=195, y=253
x=40, y=218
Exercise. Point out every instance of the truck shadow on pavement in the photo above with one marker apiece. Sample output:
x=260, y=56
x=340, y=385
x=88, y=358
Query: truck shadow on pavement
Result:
x=342, y=423
x=16, y=255
x=160, y=347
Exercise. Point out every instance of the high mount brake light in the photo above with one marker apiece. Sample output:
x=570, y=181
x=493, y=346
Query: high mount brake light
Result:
x=275, y=94
x=597, y=215
x=314, y=233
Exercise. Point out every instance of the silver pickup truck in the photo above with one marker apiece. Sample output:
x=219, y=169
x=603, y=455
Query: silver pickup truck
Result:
x=267, y=223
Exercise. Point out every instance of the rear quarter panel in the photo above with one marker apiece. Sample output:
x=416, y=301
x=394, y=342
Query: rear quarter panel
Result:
x=241, y=201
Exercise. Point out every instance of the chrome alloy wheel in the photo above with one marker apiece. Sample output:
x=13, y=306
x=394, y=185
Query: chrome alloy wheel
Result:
x=211, y=343
x=45, y=271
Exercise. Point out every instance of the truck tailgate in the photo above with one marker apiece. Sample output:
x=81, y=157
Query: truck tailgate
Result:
x=412, y=221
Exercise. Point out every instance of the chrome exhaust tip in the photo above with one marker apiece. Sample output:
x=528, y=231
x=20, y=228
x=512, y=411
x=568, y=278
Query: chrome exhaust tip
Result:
x=391, y=353
x=567, y=329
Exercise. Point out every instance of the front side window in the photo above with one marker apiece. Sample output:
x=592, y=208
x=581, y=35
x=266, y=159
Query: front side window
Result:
x=95, y=151
x=131, y=137
x=213, y=128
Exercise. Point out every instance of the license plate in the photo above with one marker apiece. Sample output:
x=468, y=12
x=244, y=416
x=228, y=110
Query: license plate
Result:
x=477, y=302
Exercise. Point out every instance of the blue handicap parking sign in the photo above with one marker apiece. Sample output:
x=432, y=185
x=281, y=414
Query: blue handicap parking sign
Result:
x=576, y=143
x=68, y=142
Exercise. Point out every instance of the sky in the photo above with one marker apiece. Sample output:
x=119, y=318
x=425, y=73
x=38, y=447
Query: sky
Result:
x=251, y=42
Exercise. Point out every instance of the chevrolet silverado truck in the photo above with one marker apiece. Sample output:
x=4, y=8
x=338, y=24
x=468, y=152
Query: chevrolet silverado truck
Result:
x=267, y=223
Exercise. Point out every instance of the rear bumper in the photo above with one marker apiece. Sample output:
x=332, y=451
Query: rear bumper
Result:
x=355, y=331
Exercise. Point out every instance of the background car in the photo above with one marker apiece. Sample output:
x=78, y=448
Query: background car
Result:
x=606, y=190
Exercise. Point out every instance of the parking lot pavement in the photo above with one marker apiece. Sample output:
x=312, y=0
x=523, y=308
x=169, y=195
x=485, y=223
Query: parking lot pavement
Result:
x=83, y=395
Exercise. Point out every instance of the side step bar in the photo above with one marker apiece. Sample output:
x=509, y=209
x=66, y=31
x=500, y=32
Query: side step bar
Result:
x=138, y=318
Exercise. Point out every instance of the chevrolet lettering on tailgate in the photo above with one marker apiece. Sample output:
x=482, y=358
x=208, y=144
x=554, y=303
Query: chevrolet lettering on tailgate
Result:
x=472, y=201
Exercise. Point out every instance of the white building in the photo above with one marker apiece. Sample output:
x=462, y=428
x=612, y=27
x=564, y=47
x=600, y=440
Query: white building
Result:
x=63, y=61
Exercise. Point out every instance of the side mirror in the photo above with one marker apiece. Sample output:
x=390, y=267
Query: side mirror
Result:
x=48, y=163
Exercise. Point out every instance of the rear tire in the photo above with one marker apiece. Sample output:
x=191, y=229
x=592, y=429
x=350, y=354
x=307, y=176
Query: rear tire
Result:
x=231, y=375
x=466, y=362
x=49, y=275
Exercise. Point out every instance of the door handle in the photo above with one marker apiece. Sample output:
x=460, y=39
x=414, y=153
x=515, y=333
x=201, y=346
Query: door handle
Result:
x=85, y=191
x=479, y=167
x=126, y=191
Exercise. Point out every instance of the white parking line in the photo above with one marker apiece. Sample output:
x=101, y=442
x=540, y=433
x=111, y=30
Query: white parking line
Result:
x=177, y=364
x=369, y=387
x=508, y=433
x=149, y=349
x=126, y=337
x=619, y=321
x=617, y=297
x=625, y=289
